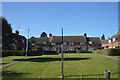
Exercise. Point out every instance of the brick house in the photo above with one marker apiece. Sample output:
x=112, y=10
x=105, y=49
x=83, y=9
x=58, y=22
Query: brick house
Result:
x=113, y=42
x=19, y=41
x=53, y=43
x=42, y=43
x=94, y=43
x=69, y=42
x=104, y=44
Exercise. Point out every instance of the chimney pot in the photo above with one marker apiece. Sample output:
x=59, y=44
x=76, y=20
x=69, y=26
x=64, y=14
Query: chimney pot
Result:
x=50, y=35
x=85, y=34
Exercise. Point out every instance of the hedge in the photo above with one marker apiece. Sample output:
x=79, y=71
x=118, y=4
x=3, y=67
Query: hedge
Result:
x=70, y=51
x=79, y=51
x=19, y=53
x=13, y=53
x=49, y=53
x=34, y=53
x=84, y=51
x=23, y=53
x=109, y=52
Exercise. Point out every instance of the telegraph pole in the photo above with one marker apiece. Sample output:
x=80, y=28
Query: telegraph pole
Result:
x=27, y=44
x=62, y=58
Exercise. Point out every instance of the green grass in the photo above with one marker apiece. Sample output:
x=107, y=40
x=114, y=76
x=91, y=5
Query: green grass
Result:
x=75, y=65
x=9, y=59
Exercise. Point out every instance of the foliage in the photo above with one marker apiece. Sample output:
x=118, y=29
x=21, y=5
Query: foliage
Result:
x=49, y=52
x=34, y=53
x=70, y=51
x=103, y=37
x=84, y=51
x=32, y=40
x=13, y=53
x=43, y=34
x=109, y=52
x=6, y=31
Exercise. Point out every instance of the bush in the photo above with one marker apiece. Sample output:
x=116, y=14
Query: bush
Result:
x=50, y=53
x=69, y=51
x=34, y=53
x=13, y=53
x=84, y=51
x=109, y=52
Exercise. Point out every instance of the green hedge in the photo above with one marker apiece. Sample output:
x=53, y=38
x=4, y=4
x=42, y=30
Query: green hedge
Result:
x=49, y=53
x=79, y=51
x=84, y=51
x=109, y=52
x=13, y=53
x=34, y=53
x=70, y=51
x=23, y=53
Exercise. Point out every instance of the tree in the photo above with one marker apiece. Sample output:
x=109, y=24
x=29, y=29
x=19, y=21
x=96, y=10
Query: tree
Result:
x=32, y=40
x=43, y=34
x=103, y=37
x=6, y=33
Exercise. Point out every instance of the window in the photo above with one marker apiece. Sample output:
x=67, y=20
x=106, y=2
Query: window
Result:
x=53, y=44
x=44, y=42
x=109, y=41
x=71, y=43
x=114, y=39
x=64, y=43
x=82, y=43
x=23, y=41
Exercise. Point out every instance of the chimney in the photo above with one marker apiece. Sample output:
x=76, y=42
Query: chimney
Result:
x=85, y=34
x=50, y=35
x=17, y=32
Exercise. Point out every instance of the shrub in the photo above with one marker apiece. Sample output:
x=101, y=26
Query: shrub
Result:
x=49, y=53
x=70, y=51
x=84, y=51
x=109, y=52
x=34, y=53
x=13, y=53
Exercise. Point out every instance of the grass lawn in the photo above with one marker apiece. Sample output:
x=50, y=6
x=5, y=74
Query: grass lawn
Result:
x=9, y=59
x=49, y=66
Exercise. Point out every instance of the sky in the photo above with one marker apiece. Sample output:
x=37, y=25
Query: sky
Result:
x=76, y=18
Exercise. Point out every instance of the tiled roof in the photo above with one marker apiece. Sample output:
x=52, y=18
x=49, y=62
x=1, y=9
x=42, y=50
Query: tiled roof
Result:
x=117, y=36
x=41, y=40
x=68, y=39
x=95, y=40
x=104, y=41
